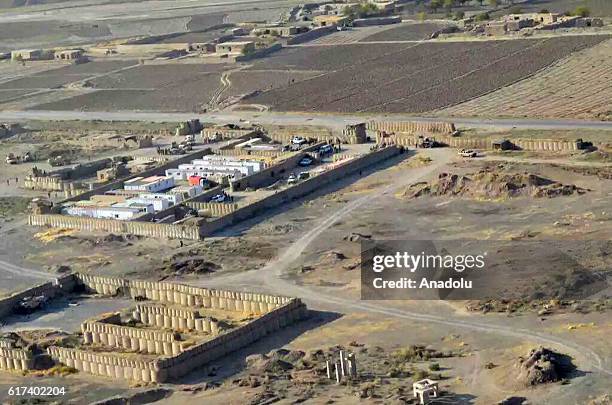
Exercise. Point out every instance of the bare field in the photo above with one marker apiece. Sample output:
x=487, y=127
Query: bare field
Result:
x=577, y=87
x=326, y=57
x=55, y=78
x=412, y=78
x=184, y=96
x=245, y=82
x=154, y=76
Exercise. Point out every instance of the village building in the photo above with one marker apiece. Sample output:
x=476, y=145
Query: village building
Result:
x=151, y=184
x=238, y=47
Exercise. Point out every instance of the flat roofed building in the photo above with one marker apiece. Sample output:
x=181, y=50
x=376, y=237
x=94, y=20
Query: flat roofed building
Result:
x=150, y=184
x=238, y=47
x=69, y=54
x=120, y=213
x=27, y=54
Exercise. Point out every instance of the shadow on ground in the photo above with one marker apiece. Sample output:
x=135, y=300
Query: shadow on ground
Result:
x=234, y=363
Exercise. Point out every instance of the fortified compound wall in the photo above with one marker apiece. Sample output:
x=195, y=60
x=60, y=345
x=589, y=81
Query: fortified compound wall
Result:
x=411, y=127
x=185, y=295
x=174, y=318
x=16, y=359
x=125, y=337
x=299, y=190
x=150, y=229
x=213, y=209
x=275, y=312
x=50, y=289
x=461, y=142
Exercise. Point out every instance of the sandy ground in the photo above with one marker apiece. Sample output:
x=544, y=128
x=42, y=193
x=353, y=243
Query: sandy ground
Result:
x=287, y=252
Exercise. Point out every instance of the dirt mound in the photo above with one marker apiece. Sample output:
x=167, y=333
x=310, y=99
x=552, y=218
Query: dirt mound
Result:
x=191, y=265
x=488, y=185
x=544, y=366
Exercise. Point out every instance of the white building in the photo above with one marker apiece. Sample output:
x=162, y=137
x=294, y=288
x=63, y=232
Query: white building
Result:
x=157, y=203
x=153, y=184
x=120, y=213
x=215, y=166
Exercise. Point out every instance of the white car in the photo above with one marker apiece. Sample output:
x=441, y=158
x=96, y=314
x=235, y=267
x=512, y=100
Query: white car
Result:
x=218, y=198
x=306, y=161
x=292, y=179
x=469, y=153
x=298, y=140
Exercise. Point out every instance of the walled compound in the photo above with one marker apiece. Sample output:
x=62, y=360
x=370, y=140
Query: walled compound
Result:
x=238, y=198
x=409, y=134
x=171, y=331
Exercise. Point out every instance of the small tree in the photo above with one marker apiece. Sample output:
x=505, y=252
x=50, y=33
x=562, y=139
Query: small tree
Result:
x=421, y=16
x=434, y=5
x=493, y=3
x=582, y=11
x=448, y=4
x=459, y=15
x=482, y=17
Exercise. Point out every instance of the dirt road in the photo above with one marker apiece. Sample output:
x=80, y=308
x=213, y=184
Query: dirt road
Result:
x=273, y=277
x=331, y=120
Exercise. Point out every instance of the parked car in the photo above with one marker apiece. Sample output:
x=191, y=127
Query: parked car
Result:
x=469, y=153
x=304, y=175
x=326, y=149
x=298, y=140
x=218, y=198
x=292, y=179
x=305, y=161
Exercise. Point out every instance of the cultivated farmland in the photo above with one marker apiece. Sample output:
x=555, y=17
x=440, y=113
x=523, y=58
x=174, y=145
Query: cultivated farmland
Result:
x=412, y=77
x=405, y=32
x=245, y=82
x=576, y=87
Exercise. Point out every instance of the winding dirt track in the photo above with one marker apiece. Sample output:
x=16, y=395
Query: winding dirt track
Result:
x=273, y=276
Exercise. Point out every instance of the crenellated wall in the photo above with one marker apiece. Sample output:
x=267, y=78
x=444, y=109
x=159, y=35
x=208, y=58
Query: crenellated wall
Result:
x=108, y=365
x=201, y=354
x=15, y=359
x=180, y=319
x=177, y=359
x=535, y=145
x=412, y=127
x=213, y=209
x=150, y=229
x=185, y=295
x=128, y=338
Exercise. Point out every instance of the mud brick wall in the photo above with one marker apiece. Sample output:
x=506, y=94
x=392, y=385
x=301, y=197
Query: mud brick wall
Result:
x=535, y=145
x=15, y=359
x=227, y=133
x=155, y=230
x=545, y=145
x=108, y=365
x=201, y=354
x=311, y=35
x=213, y=209
x=411, y=127
x=47, y=183
x=128, y=338
x=174, y=318
x=185, y=295
x=50, y=289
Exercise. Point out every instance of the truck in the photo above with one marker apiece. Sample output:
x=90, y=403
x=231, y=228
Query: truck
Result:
x=13, y=159
x=58, y=161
